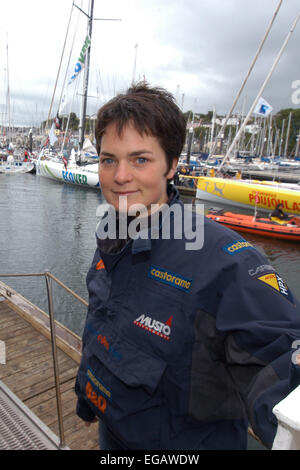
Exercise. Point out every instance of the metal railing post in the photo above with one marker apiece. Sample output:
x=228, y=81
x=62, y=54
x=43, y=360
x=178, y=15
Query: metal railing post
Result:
x=55, y=359
x=48, y=278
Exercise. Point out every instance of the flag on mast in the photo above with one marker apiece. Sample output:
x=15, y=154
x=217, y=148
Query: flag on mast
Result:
x=77, y=69
x=52, y=136
x=263, y=108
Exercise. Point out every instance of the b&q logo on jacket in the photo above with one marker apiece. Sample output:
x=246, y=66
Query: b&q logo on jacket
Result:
x=163, y=330
x=276, y=282
x=98, y=400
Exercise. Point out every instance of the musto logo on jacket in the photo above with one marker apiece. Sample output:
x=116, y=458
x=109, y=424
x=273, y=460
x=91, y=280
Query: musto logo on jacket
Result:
x=163, y=330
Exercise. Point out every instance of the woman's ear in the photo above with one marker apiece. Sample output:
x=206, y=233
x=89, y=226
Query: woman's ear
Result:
x=172, y=170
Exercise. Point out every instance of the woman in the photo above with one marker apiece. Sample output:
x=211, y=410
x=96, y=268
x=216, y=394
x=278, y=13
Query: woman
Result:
x=182, y=346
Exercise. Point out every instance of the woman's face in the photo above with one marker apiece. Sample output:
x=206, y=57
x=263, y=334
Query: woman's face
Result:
x=133, y=166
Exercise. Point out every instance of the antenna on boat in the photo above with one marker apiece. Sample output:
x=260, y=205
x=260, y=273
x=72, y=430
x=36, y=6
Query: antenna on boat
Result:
x=221, y=132
x=134, y=65
x=236, y=139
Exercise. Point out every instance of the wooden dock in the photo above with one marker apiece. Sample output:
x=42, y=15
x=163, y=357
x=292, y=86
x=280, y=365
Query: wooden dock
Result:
x=28, y=370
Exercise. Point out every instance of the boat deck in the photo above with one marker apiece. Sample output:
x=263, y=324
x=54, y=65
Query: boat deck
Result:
x=277, y=175
x=28, y=373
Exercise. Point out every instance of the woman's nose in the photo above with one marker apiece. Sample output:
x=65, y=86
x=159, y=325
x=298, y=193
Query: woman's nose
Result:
x=123, y=173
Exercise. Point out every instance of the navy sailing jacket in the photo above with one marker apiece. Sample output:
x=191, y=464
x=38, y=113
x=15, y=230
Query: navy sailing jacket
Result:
x=182, y=349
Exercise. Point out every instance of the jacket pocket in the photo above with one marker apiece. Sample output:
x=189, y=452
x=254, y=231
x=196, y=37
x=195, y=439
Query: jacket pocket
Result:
x=122, y=385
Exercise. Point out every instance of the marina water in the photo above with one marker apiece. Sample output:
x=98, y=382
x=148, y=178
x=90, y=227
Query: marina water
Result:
x=45, y=225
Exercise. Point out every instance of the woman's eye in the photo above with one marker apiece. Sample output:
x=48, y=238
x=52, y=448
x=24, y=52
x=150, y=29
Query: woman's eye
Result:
x=106, y=161
x=141, y=160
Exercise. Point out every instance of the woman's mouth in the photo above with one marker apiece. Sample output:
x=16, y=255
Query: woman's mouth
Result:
x=124, y=193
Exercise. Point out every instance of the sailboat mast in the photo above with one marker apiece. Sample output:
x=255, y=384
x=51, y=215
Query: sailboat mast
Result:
x=8, y=100
x=86, y=79
x=287, y=136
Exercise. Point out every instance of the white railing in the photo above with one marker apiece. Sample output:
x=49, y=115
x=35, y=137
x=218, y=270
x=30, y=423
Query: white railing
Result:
x=287, y=413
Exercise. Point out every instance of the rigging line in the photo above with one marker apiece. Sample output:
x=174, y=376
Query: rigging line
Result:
x=245, y=80
x=50, y=109
x=81, y=10
x=235, y=140
x=97, y=19
x=69, y=60
x=69, y=113
x=97, y=76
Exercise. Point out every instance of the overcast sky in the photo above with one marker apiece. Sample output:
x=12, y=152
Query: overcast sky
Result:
x=200, y=50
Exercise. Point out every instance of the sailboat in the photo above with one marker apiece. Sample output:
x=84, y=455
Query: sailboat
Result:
x=242, y=193
x=12, y=166
x=81, y=168
x=70, y=172
x=9, y=165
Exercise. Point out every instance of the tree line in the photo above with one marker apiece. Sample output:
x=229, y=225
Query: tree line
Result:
x=73, y=123
x=279, y=123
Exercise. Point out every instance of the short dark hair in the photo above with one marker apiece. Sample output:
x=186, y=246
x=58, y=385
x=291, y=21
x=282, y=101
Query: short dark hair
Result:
x=152, y=110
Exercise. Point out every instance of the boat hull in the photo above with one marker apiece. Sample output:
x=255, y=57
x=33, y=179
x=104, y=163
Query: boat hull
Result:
x=245, y=194
x=76, y=175
x=264, y=227
x=17, y=168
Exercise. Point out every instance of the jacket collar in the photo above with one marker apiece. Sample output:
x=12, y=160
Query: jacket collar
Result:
x=111, y=250
x=144, y=243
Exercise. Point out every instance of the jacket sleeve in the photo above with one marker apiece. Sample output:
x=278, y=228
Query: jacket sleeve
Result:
x=260, y=320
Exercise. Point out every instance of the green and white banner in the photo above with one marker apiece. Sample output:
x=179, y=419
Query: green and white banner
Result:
x=77, y=69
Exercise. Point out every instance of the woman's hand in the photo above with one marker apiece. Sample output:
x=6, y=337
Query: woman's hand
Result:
x=88, y=423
